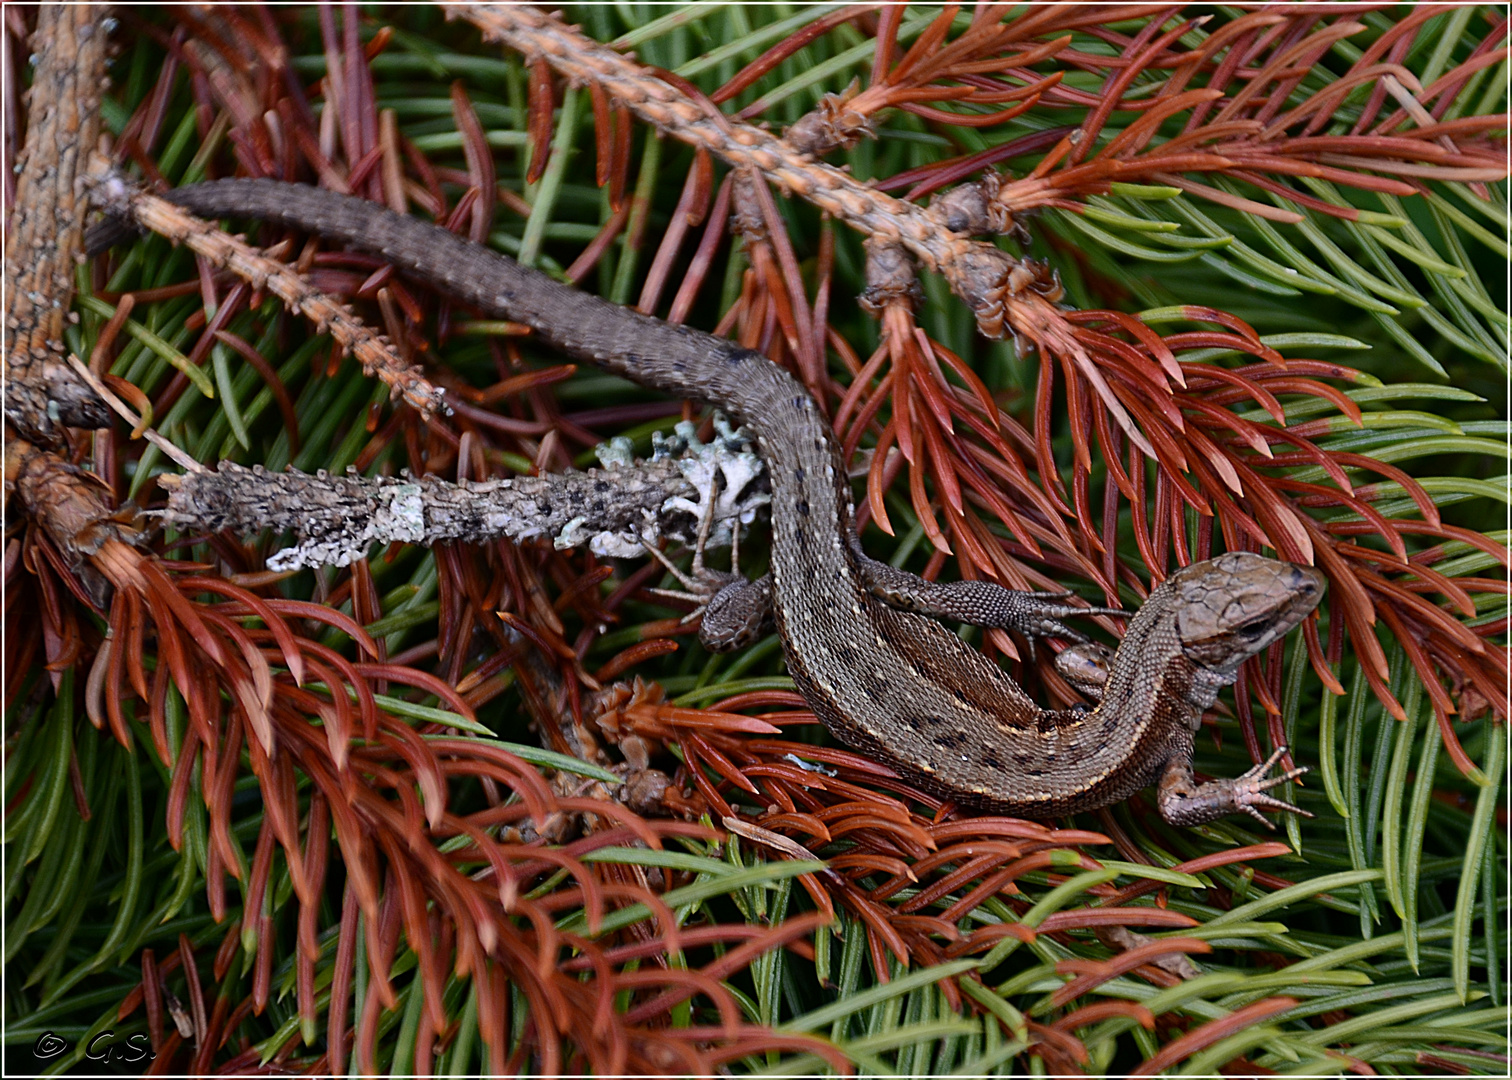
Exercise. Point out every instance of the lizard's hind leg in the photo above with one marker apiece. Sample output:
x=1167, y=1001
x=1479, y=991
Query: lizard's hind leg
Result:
x=736, y=612
x=979, y=603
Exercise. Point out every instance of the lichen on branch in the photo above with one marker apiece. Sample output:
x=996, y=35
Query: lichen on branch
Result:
x=614, y=512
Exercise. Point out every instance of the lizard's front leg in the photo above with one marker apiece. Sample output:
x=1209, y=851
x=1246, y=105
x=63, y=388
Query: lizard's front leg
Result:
x=1183, y=801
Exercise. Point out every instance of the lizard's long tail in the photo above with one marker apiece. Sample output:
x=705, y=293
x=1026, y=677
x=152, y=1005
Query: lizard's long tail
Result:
x=657, y=354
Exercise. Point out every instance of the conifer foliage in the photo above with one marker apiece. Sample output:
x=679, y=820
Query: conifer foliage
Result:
x=1089, y=293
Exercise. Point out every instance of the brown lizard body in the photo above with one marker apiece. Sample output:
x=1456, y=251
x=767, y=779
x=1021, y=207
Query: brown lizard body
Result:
x=880, y=673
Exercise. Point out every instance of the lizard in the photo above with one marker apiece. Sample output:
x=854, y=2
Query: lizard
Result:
x=861, y=639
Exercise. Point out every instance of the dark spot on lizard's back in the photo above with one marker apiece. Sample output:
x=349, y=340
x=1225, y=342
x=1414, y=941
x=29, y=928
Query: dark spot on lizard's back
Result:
x=601, y=486
x=803, y=507
x=799, y=403
x=1110, y=725
x=992, y=759
x=952, y=740
x=848, y=653
x=798, y=475
x=925, y=725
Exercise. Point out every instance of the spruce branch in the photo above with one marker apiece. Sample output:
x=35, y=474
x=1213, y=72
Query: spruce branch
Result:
x=977, y=272
x=997, y=288
x=614, y=511
x=44, y=236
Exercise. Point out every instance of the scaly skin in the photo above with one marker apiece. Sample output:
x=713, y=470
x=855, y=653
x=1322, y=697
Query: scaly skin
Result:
x=889, y=681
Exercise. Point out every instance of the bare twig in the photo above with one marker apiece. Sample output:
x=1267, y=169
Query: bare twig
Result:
x=225, y=251
x=172, y=452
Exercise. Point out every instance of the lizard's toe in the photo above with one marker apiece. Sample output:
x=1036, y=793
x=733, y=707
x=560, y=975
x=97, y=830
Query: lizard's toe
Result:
x=1038, y=615
x=1250, y=789
x=1258, y=816
x=1253, y=802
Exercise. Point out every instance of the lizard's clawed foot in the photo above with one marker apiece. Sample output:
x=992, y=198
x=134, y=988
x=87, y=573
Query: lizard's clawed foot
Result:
x=1182, y=801
x=1250, y=789
x=1036, y=615
x=702, y=583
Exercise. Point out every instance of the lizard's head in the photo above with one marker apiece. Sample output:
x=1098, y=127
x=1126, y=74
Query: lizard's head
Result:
x=1230, y=608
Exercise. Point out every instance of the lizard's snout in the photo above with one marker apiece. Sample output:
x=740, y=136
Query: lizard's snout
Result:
x=1306, y=580
x=1307, y=584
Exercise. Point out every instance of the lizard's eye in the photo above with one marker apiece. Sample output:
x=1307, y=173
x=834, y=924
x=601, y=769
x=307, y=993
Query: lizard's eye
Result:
x=1251, y=629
